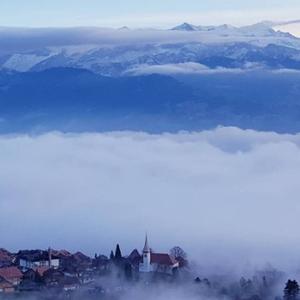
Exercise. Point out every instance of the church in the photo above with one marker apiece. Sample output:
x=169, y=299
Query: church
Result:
x=157, y=262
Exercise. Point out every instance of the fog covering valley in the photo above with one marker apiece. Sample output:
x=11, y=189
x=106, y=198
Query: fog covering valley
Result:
x=102, y=188
x=228, y=196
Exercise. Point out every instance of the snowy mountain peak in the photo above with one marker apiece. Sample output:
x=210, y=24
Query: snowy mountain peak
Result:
x=186, y=27
x=262, y=29
x=259, y=29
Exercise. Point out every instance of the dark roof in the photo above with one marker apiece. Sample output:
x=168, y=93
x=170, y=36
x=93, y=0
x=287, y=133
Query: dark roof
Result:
x=61, y=253
x=134, y=253
x=5, y=256
x=10, y=273
x=78, y=256
x=135, y=257
x=35, y=255
x=163, y=259
x=101, y=260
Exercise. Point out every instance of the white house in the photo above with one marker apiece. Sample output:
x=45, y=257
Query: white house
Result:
x=157, y=262
x=42, y=259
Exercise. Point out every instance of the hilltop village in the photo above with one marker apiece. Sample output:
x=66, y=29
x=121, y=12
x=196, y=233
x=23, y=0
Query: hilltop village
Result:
x=30, y=271
x=58, y=274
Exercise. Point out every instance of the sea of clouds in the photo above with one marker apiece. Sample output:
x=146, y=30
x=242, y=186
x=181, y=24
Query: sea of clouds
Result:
x=225, y=195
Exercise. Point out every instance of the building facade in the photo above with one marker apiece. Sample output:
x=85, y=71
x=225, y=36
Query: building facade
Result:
x=157, y=262
x=37, y=259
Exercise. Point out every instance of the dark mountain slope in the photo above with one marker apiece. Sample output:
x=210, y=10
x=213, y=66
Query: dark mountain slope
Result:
x=79, y=100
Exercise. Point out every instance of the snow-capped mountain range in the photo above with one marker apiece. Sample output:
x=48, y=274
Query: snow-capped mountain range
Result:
x=185, y=78
x=119, y=52
x=259, y=29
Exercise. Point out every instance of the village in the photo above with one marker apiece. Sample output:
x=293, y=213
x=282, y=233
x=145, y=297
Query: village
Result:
x=62, y=273
x=58, y=274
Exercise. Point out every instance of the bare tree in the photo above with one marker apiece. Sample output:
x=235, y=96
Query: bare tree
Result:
x=178, y=252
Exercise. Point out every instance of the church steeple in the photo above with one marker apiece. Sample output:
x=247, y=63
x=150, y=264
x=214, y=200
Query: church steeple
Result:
x=145, y=266
x=146, y=247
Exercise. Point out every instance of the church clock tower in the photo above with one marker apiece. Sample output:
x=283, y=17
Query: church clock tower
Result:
x=146, y=265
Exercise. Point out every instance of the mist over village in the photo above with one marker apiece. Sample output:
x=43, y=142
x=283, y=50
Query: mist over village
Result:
x=58, y=274
x=190, y=258
x=149, y=150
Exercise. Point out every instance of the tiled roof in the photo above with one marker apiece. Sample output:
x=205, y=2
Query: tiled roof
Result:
x=61, y=253
x=5, y=255
x=163, y=259
x=134, y=257
x=11, y=273
x=78, y=256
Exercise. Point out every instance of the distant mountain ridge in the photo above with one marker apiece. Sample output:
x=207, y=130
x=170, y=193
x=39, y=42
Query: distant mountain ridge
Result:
x=259, y=29
x=116, y=52
x=188, y=78
x=78, y=100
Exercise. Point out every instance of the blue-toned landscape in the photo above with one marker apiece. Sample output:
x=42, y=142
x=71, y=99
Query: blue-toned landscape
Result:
x=186, y=78
x=149, y=150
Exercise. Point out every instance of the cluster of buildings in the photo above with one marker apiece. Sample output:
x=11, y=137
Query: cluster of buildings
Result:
x=37, y=270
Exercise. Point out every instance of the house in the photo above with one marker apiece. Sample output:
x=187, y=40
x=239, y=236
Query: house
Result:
x=58, y=279
x=101, y=263
x=35, y=274
x=32, y=280
x=11, y=274
x=135, y=259
x=76, y=263
x=157, y=262
x=6, y=258
x=32, y=259
x=61, y=253
x=5, y=286
x=53, y=278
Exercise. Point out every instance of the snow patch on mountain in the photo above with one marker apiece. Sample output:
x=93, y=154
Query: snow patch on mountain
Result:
x=23, y=62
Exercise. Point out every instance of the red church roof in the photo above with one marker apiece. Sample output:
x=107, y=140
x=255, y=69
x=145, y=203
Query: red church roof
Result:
x=163, y=259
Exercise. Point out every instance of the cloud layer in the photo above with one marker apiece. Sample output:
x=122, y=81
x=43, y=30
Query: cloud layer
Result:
x=223, y=195
x=291, y=27
x=182, y=68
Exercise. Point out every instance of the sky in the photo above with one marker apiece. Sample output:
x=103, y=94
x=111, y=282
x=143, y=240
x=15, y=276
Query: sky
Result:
x=136, y=13
x=226, y=196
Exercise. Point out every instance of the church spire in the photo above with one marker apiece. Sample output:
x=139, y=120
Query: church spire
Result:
x=146, y=247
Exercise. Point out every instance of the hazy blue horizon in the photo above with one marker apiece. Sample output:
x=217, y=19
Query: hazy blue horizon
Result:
x=139, y=14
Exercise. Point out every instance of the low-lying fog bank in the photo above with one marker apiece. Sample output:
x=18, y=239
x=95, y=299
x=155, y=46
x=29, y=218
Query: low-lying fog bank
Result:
x=229, y=197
